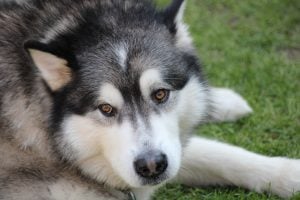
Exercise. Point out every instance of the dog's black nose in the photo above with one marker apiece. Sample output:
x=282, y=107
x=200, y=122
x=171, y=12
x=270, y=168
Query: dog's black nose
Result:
x=151, y=164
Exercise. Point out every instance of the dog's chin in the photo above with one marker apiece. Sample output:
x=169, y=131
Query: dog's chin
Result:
x=154, y=181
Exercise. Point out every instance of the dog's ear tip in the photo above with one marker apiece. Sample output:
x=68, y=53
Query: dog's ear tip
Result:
x=171, y=12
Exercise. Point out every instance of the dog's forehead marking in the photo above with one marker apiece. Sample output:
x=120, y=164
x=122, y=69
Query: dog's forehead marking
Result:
x=148, y=80
x=122, y=52
x=110, y=94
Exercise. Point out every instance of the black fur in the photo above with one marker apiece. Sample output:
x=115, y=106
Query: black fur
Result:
x=170, y=13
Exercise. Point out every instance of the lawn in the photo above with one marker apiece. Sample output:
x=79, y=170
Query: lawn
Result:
x=252, y=47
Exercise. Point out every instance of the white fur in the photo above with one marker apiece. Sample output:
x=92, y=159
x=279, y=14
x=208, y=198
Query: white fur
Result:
x=97, y=145
x=192, y=105
x=111, y=95
x=121, y=53
x=208, y=162
x=63, y=190
x=165, y=137
x=183, y=38
x=150, y=80
x=227, y=105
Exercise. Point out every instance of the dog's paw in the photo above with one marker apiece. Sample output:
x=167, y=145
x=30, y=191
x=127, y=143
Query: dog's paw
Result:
x=287, y=181
x=227, y=105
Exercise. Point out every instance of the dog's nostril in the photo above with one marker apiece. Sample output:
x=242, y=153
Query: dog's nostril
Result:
x=162, y=163
x=151, y=165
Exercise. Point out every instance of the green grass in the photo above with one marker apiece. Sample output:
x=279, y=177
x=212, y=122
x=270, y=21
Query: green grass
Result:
x=252, y=47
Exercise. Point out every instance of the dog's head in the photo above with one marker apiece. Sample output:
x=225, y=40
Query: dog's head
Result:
x=126, y=88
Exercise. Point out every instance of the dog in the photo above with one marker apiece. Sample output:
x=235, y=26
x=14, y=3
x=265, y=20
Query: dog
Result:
x=99, y=99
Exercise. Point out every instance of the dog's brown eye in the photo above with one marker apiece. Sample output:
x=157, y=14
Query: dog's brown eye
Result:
x=107, y=110
x=161, y=95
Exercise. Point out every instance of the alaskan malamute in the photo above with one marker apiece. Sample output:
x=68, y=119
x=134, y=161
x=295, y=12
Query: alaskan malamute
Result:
x=99, y=99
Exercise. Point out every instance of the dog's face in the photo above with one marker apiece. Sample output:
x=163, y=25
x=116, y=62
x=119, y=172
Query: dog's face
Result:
x=123, y=103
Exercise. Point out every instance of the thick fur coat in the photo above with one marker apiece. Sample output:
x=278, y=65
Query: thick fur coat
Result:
x=98, y=99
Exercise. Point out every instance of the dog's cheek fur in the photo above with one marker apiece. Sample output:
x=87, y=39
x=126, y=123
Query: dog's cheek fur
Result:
x=105, y=153
x=192, y=105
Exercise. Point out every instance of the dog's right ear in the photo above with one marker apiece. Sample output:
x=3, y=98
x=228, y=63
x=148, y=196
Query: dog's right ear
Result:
x=173, y=18
x=53, y=68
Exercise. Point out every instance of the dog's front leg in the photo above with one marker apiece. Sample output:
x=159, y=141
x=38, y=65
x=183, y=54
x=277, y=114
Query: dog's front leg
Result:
x=208, y=162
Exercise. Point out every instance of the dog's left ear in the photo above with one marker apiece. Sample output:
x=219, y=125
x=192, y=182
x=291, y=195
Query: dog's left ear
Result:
x=173, y=18
x=53, y=67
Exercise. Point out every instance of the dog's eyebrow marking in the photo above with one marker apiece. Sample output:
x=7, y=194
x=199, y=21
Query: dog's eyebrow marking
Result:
x=111, y=95
x=149, y=79
x=122, y=53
